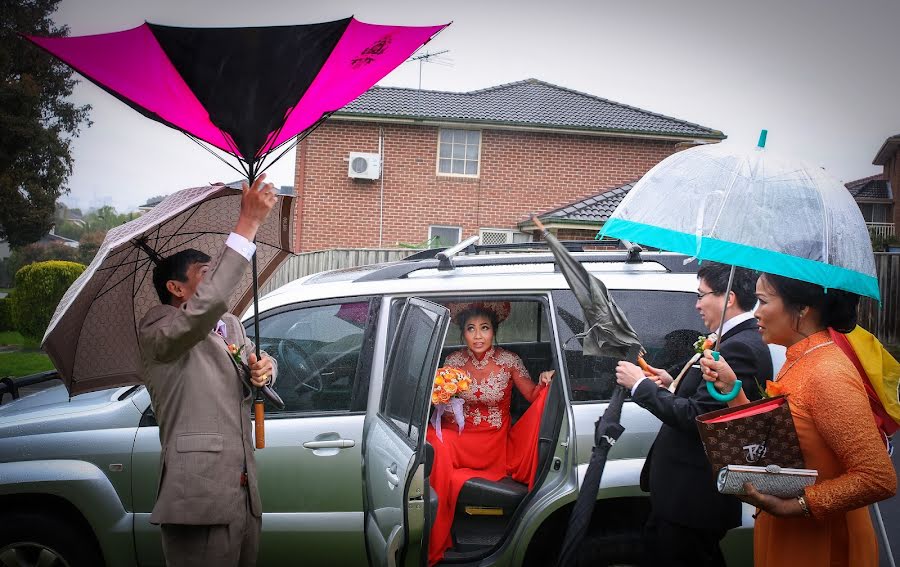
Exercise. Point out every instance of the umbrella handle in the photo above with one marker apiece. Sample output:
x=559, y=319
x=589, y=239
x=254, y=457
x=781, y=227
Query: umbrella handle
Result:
x=715, y=393
x=259, y=423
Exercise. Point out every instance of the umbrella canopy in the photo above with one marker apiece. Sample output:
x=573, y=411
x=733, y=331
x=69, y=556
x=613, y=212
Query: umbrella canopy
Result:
x=247, y=90
x=92, y=338
x=753, y=209
x=609, y=332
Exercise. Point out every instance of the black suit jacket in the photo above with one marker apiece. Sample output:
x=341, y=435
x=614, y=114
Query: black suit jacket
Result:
x=677, y=472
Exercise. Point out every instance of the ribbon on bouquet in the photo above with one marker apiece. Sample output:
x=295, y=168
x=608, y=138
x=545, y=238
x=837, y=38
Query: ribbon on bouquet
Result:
x=456, y=406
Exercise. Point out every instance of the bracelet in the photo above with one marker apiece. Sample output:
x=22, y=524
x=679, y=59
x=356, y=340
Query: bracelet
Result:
x=804, y=506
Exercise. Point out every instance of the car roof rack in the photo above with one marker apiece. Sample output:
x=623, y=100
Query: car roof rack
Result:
x=467, y=253
x=469, y=247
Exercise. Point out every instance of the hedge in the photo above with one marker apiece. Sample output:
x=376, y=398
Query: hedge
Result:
x=39, y=287
x=6, y=322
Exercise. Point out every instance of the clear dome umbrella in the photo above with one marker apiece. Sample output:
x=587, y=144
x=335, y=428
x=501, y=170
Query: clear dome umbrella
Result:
x=755, y=209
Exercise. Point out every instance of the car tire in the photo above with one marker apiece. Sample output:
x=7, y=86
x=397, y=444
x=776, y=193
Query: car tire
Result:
x=28, y=536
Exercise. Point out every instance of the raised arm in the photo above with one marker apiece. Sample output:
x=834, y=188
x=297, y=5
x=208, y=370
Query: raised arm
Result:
x=174, y=332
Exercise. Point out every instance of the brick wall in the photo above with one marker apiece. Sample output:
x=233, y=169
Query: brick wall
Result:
x=892, y=174
x=520, y=172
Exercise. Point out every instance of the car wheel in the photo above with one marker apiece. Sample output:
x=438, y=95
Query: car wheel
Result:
x=31, y=539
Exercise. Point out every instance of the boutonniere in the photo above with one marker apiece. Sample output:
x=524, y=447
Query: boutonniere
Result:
x=705, y=342
x=235, y=352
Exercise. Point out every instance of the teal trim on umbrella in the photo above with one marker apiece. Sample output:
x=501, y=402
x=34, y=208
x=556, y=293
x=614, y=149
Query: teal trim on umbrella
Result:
x=826, y=275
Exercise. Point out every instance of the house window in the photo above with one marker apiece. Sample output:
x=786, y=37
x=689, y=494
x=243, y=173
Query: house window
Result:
x=459, y=152
x=444, y=236
x=502, y=236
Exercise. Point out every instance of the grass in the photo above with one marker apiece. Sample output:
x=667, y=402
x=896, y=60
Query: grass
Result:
x=23, y=363
x=11, y=338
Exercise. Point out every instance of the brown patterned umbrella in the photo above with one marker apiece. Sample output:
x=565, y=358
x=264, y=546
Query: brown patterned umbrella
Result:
x=92, y=337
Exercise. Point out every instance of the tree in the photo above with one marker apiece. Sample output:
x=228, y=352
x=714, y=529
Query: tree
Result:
x=37, y=121
x=88, y=245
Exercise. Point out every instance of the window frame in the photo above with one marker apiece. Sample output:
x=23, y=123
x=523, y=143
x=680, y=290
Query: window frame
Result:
x=363, y=366
x=459, y=232
x=386, y=388
x=562, y=340
x=437, y=161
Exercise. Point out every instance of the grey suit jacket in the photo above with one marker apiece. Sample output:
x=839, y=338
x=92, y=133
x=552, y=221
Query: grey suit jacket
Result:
x=202, y=400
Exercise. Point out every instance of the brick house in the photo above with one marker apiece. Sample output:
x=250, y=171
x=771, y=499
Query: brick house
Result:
x=888, y=157
x=876, y=195
x=454, y=165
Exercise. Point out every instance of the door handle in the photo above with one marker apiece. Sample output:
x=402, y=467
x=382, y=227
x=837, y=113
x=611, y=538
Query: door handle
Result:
x=392, y=478
x=330, y=444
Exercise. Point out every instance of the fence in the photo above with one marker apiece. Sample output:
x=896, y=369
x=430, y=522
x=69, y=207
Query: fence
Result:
x=884, y=320
x=881, y=229
x=322, y=260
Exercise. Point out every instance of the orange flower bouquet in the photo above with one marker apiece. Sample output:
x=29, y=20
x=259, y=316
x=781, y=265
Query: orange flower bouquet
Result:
x=448, y=382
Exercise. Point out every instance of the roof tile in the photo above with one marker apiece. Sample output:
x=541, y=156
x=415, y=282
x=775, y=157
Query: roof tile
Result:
x=525, y=103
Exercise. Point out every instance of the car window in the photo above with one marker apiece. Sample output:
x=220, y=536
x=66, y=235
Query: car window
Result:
x=413, y=351
x=525, y=324
x=322, y=355
x=666, y=322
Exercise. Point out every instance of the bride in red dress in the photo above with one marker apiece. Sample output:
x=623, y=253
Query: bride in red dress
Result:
x=488, y=446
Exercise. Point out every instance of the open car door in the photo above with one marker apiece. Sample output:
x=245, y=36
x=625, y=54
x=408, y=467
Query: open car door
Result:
x=394, y=438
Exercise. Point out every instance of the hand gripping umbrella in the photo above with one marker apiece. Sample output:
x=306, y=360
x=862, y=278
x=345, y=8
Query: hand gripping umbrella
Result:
x=609, y=334
x=252, y=92
x=753, y=209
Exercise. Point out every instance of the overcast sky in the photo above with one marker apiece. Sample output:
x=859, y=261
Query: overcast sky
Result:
x=820, y=75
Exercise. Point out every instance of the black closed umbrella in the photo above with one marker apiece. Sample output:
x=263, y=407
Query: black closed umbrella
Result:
x=608, y=333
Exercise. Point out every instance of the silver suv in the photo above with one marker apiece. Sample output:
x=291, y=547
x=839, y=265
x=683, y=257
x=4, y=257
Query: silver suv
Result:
x=344, y=475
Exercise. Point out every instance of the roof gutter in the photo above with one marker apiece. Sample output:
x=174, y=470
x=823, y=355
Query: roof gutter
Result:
x=886, y=151
x=716, y=136
x=561, y=223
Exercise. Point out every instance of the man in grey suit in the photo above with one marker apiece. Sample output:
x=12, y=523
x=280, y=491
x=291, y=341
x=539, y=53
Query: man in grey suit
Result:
x=208, y=503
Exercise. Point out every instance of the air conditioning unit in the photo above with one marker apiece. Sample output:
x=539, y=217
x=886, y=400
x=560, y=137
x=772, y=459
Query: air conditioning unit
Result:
x=364, y=166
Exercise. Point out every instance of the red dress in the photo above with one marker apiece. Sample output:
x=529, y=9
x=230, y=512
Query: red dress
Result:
x=487, y=447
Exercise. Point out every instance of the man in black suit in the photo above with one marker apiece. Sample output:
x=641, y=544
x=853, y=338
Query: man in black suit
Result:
x=688, y=516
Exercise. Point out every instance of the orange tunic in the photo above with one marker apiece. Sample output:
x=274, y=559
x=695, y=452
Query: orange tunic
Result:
x=838, y=438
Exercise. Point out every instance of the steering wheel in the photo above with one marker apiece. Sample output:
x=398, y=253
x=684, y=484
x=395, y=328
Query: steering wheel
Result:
x=297, y=364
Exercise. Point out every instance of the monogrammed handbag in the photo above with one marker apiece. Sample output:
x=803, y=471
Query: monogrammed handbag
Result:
x=760, y=433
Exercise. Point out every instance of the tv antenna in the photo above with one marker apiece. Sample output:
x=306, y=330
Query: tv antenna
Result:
x=431, y=57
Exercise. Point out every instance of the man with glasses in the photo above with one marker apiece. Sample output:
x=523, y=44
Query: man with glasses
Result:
x=683, y=496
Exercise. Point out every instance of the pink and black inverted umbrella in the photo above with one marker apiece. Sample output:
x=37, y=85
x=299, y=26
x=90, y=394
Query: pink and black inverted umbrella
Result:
x=251, y=92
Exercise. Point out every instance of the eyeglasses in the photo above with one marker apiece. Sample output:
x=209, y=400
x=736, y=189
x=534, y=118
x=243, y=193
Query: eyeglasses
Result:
x=704, y=294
